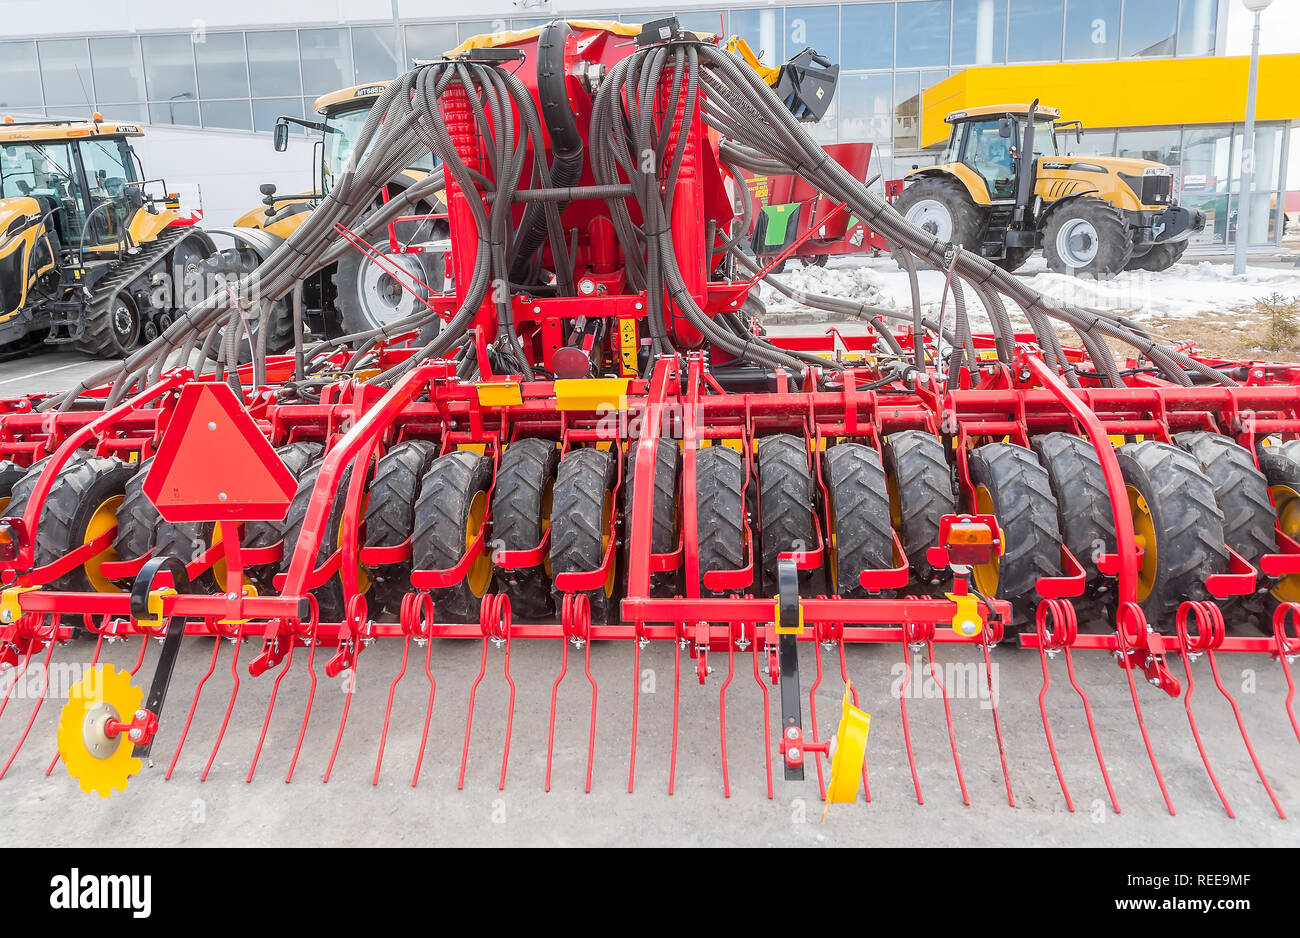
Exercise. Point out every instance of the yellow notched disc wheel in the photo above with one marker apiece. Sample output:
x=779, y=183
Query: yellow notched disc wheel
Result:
x=99, y=762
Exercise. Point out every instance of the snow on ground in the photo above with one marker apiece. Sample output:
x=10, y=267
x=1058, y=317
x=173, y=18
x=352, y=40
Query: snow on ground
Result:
x=1189, y=289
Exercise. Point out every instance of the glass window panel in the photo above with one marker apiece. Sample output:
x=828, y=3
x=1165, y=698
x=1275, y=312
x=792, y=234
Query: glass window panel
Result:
x=703, y=21
x=1035, y=30
x=871, y=28
x=1092, y=29
x=431, y=41
x=1215, y=208
x=373, y=55
x=267, y=110
x=762, y=30
x=180, y=111
x=979, y=32
x=1205, y=166
x=818, y=27
x=20, y=82
x=273, y=62
x=1198, y=27
x=119, y=75
x=1268, y=157
x=232, y=115
x=1263, y=218
x=223, y=70
x=1094, y=143
x=1150, y=27
x=531, y=23
x=907, y=110
x=923, y=33
x=65, y=71
x=169, y=67
x=116, y=113
x=326, y=60
x=482, y=27
x=866, y=107
x=1160, y=146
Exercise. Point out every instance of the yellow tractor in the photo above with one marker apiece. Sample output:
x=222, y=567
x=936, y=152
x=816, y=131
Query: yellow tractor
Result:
x=1004, y=190
x=92, y=254
x=354, y=294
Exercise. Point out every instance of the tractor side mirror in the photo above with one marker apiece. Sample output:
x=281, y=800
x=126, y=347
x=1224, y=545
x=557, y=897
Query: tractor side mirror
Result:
x=1004, y=127
x=281, y=136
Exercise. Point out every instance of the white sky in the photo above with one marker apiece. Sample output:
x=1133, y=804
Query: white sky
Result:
x=1279, y=32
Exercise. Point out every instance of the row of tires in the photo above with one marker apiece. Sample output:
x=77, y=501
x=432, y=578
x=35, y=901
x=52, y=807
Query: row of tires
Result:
x=1187, y=500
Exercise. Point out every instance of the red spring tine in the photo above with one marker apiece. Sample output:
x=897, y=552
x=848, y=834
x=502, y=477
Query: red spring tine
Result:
x=1051, y=641
x=947, y=712
x=1286, y=647
x=356, y=612
x=139, y=661
x=591, y=679
x=993, y=703
x=1130, y=613
x=189, y=718
x=767, y=716
x=494, y=617
x=902, y=703
x=388, y=710
x=1092, y=726
x=270, y=704
x=636, y=705
x=40, y=699
x=230, y=706
x=426, y=611
x=94, y=660
x=469, y=717
x=677, y=699
x=313, y=626
x=722, y=714
x=1211, y=640
x=1206, y=635
x=502, y=619
x=19, y=673
x=853, y=695
x=812, y=712
x=555, y=693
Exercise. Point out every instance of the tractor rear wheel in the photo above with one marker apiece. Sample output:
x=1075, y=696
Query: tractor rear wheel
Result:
x=719, y=512
x=261, y=534
x=112, y=327
x=1087, y=237
x=449, y=515
x=942, y=207
x=920, y=494
x=390, y=514
x=581, y=524
x=1178, y=525
x=1159, y=257
x=665, y=524
x=1242, y=494
x=1014, y=259
x=785, y=504
x=521, y=516
x=1012, y=485
x=10, y=473
x=860, y=535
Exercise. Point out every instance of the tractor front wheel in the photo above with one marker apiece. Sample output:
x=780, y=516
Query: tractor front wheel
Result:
x=943, y=208
x=1087, y=238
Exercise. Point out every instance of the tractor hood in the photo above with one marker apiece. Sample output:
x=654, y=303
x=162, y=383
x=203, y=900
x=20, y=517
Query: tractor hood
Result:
x=1134, y=185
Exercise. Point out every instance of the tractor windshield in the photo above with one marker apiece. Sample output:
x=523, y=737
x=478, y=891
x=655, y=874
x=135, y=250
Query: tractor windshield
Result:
x=47, y=173
x=341, y=131
x=1044, y=137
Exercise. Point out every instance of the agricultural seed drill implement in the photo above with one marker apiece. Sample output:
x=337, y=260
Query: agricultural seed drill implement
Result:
x=602, y=443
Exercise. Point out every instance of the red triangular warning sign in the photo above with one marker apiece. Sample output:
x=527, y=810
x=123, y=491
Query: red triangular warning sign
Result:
x=214, y=464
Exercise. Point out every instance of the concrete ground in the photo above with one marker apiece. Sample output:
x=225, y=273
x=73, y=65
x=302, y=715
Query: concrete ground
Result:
x=225, y=810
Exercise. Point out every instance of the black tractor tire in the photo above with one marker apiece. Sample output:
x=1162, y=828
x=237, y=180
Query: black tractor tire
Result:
x=1185, y=522
x=111, y=327
x=719, y=512
x=861, y=537
x=81, y=490
x=390, y=514
x=1159, y=257
x=1083, y=506
x=137, y=518
x=330, y=599
x=259, y=534
x=10, y=473
x=968, y=221
x=1103, y=225
x=665, y=518
x=920, y=494
x=521, y=515
x=232, y=263
x=580, y=523
x=817, y=260
x=1242, y=493
x=1014, y=259
x=785, y=504
x=449, y=497
x=1019, y=495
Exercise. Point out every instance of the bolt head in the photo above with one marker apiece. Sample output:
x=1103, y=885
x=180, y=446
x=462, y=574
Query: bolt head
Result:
x=792, y=732
x=212, y=425
x=135, y=735
x=141, y=714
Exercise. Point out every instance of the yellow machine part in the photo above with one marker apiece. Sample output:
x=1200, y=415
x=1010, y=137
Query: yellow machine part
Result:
x=24, y=245
x=769, y=73
x=850, y=752
x=100, y=763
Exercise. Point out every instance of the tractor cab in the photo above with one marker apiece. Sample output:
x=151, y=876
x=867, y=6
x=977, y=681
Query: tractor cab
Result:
x=988, y=141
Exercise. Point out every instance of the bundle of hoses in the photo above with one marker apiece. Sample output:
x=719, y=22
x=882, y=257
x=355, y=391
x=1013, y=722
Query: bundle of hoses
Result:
x=632, y=143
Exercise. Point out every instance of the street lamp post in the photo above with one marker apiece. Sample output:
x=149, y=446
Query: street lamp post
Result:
x=1246, y=189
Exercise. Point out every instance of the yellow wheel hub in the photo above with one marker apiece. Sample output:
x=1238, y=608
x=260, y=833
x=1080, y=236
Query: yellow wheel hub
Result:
x=99, y=762
x=1286, y=501
x=605, y=534
x=480, y=573
x=1144, y=533
x=986, y=574
x=101, y=522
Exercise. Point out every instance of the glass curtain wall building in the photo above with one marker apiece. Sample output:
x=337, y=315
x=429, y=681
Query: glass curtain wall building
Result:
x=890, y=51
